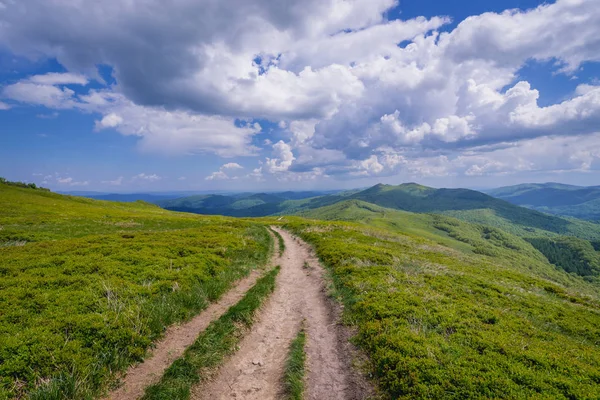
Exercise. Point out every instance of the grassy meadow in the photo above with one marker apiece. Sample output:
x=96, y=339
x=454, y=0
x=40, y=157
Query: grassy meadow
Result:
x=450, y=310
x=444, y=308
x=86, y=286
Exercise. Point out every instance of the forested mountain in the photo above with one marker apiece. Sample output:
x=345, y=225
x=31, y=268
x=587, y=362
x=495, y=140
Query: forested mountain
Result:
x=243, y=204
x=554, y=198
x=465, y=204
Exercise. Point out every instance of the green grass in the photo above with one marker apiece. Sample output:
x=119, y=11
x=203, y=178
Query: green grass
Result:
x=86, y=286
x=571, y=254
x=294, y=368
x=443, y=323
x=280, y=241
x=217, y=341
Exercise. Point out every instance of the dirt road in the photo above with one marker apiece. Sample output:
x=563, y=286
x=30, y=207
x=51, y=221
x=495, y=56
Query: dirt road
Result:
x=255, y=371
x=175, y=341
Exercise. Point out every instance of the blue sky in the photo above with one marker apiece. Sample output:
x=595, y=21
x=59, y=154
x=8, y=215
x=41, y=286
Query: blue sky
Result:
x=268, y=95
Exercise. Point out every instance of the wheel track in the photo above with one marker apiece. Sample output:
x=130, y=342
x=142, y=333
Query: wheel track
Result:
x=255, y=371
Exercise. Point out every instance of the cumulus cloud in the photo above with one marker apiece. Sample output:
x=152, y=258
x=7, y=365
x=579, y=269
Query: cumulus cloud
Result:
x=282, y=158
x=227, y=171
x=355, y=93
x=55, y=78
x=217, y=176
x=66, y=181
x=116, y=182
x=159, y=130
x=146, y=177
x=232, y=166
x=111, y=120
x=190, y=56
x=514, y=36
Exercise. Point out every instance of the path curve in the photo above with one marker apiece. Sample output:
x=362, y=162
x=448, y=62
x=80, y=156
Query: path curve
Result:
x=255, y=371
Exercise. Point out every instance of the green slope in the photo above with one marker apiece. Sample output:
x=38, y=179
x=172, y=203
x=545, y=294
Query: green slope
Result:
x=518, y=190
x=569, y=254
x=86, y=286
x=553, y=198
x=468, y=205
x=446, y=309
x=465, y=204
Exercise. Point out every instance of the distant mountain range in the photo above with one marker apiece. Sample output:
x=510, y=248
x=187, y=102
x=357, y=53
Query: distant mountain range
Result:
x=151, y=197
x=554, y=198
x=465, y=204
x=195, y=197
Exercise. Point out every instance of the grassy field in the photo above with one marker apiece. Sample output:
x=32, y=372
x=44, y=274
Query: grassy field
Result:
x=213, y=345
x=86, y=286
x=469, y=312
x=444, y=308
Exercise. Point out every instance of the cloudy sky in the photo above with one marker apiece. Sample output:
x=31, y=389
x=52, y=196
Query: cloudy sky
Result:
x=149, y=95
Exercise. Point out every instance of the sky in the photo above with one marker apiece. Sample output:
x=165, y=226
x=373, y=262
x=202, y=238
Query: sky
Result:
x=200, y=95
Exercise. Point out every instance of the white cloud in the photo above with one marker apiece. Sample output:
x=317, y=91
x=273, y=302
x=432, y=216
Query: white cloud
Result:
x=514, y=36
x=45, y=90
x=232, y=166
x=54, y=78
x=282, y=158
x=67, y=181
x=218, y=175
x=227, y=171
x=111, y=120
x=171, y=132
x=4, y=106
x=116, y=182
x=146, y=177
x=159, y=130
x=181, y=178
x=44, y=95
x=349, y=99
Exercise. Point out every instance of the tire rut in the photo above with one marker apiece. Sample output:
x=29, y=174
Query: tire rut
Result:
x=255, y=371
x=176, y=339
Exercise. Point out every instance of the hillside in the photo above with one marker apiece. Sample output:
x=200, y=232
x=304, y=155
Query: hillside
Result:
x=87, y=286
x=573, y=201
x=465, y=204
x=239, y=205
x=450, y=310
x=443, y=308
x=570, y=254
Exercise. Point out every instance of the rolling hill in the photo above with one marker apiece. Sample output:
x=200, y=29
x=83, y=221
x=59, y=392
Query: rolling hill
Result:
x=465, y=204
x=240, y=205
x=86, y=286
x=443, y=308
x=554, y=198
x=447, y=309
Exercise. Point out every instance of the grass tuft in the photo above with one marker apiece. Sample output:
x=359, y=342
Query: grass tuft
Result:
x=280, y=240
x=294, y=368
x=213, y=345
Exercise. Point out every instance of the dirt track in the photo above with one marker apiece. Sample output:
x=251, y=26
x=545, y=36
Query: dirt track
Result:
x=175, y=341
x=255, y=371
